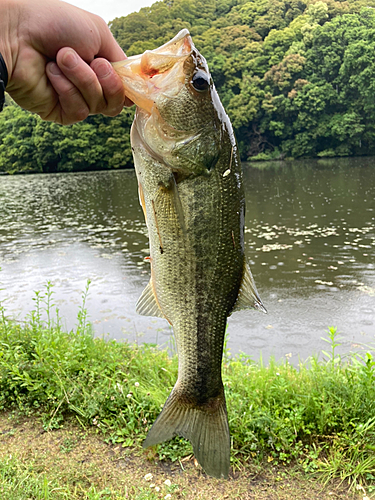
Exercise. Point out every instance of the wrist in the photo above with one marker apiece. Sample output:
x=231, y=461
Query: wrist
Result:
x=3, y=80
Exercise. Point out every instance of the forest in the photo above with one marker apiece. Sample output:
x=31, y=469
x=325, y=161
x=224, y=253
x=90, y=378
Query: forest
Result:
x=297, y=79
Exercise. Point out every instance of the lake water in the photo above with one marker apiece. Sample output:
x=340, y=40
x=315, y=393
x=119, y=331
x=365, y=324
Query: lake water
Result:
x=310, y=239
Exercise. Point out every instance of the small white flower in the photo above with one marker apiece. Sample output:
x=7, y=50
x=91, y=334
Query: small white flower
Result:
x=152, y=485
x=168, y=496
x=112, y=398
x=157, y=488
x=128, y=395
x=148, y=477
x=167, y=482
x=137, y=384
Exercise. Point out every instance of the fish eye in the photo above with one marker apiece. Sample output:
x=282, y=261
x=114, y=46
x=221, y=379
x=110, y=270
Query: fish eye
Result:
x=200, y=81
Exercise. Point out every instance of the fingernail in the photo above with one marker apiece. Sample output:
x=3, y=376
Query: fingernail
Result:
x=54, y=69
x=70, y=59
x=103, y=69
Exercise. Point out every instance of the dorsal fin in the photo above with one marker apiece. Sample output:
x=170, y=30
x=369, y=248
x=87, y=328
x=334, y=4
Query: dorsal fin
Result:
x=147, y=304
x=248, y=297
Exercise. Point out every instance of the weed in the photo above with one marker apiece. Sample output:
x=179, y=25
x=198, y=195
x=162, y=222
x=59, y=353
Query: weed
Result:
x=319, y=415
x=333, y=341
x=68, y=445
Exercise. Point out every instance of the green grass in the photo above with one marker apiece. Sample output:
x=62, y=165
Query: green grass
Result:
x=18, y=482
x=25, y=482
x=319, y=415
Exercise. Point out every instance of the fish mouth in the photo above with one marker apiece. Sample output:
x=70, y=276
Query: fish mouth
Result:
x=156, y=71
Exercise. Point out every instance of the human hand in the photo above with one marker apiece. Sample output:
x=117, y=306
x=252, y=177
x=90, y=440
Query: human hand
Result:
x=57, y=59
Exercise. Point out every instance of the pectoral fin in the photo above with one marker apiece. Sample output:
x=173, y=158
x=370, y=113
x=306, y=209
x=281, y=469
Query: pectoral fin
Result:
x=178, y=205
x=147, y=304
x=167, y=202
x=142, y=200
x=248, y=296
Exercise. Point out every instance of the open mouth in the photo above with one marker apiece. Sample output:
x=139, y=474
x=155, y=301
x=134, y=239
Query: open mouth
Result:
x=155, y=71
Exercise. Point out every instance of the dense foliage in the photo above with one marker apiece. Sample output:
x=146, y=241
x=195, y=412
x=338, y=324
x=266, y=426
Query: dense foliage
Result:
x=27, y=144
x=296, y=77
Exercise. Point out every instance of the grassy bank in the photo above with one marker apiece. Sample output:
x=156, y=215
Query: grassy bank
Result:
x=319, y=417
x=72, y=463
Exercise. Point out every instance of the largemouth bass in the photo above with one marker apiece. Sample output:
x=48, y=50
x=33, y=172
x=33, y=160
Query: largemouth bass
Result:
x=190, y=188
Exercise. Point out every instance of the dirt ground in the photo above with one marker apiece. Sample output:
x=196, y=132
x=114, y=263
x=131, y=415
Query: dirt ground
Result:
x=80, y=458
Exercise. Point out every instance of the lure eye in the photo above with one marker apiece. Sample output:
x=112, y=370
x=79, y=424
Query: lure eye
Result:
x=200, y=81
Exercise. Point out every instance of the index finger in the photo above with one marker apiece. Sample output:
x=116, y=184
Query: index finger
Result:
x=112, y=87
x=109, y=48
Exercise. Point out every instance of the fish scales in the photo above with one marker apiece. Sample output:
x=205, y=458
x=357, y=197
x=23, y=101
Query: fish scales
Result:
x=190, y=187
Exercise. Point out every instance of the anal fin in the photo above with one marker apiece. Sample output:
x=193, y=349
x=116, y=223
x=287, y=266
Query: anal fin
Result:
x=248, y=297
x=147, y=304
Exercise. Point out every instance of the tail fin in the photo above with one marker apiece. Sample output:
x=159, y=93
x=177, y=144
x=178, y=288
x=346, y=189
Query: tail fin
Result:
x=206, y=427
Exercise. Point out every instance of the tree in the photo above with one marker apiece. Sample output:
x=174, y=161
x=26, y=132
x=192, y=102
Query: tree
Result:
x=297, y=78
